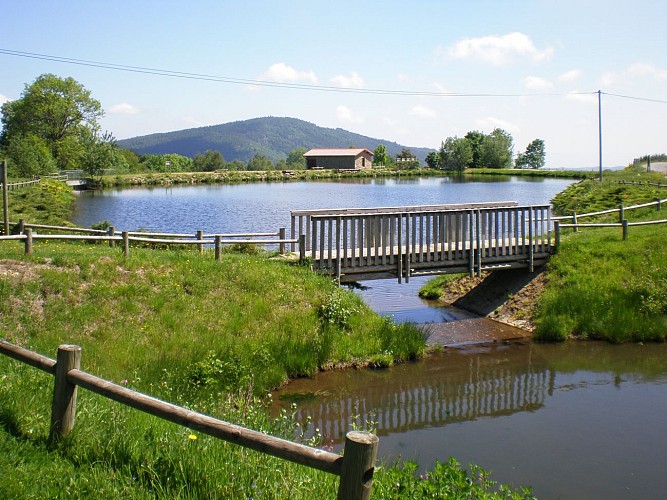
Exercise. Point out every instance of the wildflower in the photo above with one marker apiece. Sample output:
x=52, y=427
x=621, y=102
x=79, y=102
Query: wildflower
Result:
x=192, y=437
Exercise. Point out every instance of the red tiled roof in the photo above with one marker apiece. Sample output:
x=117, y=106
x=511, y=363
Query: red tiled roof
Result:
x=336, y=152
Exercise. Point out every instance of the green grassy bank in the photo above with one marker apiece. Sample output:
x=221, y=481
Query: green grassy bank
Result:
x=600, y=286
x=213, y=336
x=238, y=177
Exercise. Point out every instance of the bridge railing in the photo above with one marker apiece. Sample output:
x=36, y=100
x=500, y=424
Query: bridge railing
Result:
x=400, y=244
x=301, y=219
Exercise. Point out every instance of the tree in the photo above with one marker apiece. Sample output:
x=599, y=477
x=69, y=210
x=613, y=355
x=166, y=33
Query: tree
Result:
x=208, y=162
x=406, y=160
x=433, y=159
x=296, y=160
x=259, y=162
x=496, y=149
x=534, y=156
x=101, y=153
x=475, y=138
x=28, y=156
x=455, y=154
x=57, y=111
x=380, y=156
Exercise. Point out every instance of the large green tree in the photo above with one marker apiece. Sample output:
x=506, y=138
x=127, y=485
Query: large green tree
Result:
x=475, y=138
x=296, y=160
x=209, y=161
x=496, y=149
x=57, y=110
x=28, y=156
x=380, y=156
x=455, y=154
x=534, y=157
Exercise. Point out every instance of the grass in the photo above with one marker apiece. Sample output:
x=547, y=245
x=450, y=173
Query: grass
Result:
x=210, y=336
x=599, y=286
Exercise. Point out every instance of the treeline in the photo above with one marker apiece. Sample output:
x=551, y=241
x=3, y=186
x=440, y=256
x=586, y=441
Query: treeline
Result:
x=479, y=150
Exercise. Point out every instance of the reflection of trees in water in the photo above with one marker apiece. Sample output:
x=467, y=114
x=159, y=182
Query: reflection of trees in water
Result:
x=466, y=393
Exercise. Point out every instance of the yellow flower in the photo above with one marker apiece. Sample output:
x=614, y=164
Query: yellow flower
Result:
x=192, y=437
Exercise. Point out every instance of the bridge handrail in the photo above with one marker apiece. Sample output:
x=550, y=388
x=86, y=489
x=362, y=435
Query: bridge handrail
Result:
x=427, y=211
x=402, y=209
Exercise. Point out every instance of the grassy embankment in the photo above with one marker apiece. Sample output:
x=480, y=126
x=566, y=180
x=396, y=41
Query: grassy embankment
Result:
x=599, y=286
x=212, y=336
x=238, y=177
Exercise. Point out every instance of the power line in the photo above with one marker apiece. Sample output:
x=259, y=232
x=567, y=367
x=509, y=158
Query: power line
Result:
x=661, y=101
x=263, y=83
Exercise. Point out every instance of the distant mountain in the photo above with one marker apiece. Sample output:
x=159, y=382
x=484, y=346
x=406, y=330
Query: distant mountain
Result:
x=271, y=136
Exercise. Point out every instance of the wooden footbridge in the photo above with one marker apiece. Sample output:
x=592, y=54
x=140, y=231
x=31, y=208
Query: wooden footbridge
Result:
x=399, y=242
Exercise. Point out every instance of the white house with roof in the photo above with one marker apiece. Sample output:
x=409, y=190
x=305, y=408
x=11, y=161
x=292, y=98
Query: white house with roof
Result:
x=339, y=159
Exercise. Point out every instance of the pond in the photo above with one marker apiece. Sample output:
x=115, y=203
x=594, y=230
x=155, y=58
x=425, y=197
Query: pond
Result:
x=581, y=420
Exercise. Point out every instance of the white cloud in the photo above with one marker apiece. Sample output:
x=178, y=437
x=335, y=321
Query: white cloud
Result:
x=4, y=99
x=392, y=122
x=499, y=50
x=608, y=79
x=282, y=73
x=422, y=112
x=490, y=123
x=123, y=109
x=354, y=81
x=642, y=70
x=585, y=97
x=346, y=115
x=570, y=76
x=537, y=83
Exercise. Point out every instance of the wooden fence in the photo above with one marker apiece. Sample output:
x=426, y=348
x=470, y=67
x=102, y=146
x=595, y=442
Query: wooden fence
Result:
x=355, y=468
x=622, y=223
x=28, y=235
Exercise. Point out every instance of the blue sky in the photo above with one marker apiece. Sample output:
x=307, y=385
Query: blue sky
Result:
x=530, y=67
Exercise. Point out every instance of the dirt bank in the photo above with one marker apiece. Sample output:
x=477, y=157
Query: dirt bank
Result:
x=507, y=296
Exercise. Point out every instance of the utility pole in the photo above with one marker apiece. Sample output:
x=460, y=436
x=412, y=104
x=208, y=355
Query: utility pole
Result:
x=600, y=130
x=5, y=208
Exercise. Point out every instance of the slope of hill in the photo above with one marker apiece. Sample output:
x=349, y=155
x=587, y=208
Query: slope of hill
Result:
x=272, y=137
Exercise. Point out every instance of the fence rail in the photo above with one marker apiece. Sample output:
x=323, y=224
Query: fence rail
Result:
x=218, y=240
x=355, y=468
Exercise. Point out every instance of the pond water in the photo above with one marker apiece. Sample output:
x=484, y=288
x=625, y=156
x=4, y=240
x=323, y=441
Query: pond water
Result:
x=581, y=420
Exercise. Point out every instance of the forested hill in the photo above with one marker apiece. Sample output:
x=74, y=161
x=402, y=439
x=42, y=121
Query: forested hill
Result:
x=271, y=136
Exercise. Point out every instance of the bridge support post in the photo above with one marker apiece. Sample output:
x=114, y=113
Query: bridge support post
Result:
x=302, y=248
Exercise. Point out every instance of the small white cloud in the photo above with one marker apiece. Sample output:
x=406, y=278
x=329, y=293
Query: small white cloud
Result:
x=491, y=123
x=537, y=83
x=345, y=114
x=499, y=50
x=640, y=70
x=282, y=73
x=570, y=76
x=422, y=111
x=585, y=97
x=354, y=81
x=608, y=79
x=123, y=109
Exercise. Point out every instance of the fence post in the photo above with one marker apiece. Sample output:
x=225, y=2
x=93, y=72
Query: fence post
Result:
x=625, y=229
x=574, y=221
x=111, y=231
x=281, y=237
x=126, y=244
x=356, y=479
x=63, y=409
x=200, y=236
x=621, y=213
x=658, y=205
x=302, y=248
x=557, y=232
x=28, y=241
x=218, y=245
x=21, y=226
x=5, y=202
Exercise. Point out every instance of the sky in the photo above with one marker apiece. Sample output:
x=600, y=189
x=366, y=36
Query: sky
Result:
x=412, y=72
